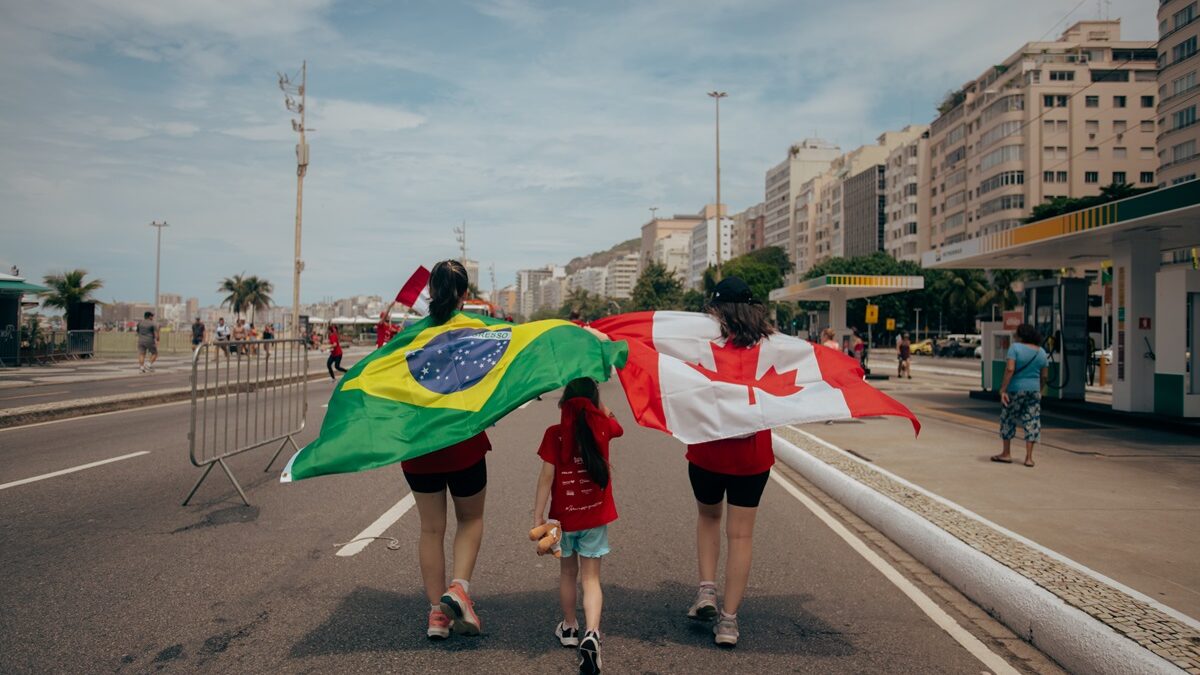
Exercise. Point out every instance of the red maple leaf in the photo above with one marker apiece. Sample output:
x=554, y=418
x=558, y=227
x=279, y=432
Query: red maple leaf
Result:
x=738, y=365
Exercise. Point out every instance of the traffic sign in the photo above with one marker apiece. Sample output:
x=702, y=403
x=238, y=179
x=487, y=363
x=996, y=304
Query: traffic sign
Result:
x=872, y=313
x=891, y=324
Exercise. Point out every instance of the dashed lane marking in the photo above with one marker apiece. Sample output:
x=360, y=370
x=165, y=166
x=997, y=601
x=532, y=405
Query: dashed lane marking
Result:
x=939, y=616
x=375, y=529
x=73, y=469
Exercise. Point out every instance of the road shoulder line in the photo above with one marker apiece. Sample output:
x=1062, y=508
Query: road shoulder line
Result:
x=63, y=472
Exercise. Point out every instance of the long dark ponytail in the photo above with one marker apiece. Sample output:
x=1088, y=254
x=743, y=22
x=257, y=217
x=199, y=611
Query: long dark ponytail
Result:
x=447, y=284
x=585, y=440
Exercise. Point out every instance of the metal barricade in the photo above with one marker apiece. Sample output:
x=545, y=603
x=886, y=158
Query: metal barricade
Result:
x=245, y=394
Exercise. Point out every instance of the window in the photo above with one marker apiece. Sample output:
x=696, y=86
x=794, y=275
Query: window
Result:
x=1119, y=126
x=1001, y=203
x=1183, y=151
x=1183, y=17
x=1091, y=176
x=1062, y=75
x=953, y=221
x=1147, y=177
x=1060, y=176
x=1055, y=100
x=1000, y=180
x=1147, y=101
x=1120, y=153
x=1007, y=153
x=1183, y=84
x=1183, y=50
x=1004, y=105
x=1110, y=76
x=1119, y=101
x=1092, y=126
x=1091, y=153
x=1118, y=177
x=1148, y=126
x=1005, y=129
x=1054, y=176
x=1183, y=118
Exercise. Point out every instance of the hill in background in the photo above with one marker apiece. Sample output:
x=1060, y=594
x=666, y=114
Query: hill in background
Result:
x=602, y=258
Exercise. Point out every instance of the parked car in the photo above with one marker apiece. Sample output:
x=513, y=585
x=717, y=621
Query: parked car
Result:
x=967, y=346
x=979, y=352
x=924, y=347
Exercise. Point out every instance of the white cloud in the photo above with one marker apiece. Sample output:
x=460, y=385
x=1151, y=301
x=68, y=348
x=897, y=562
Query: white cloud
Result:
x=336, y=115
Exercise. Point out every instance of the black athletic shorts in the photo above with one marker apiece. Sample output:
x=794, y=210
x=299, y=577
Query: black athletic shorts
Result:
x=710, y=487
x=465, y=483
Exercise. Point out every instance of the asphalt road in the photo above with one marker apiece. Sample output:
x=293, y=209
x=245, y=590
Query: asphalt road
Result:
x=103, y=570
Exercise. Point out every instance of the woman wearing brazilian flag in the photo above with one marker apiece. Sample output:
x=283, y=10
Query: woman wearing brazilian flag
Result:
x=460, y=468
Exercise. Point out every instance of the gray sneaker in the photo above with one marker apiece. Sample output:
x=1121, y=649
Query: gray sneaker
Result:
x=725, y=633
x=705, y=606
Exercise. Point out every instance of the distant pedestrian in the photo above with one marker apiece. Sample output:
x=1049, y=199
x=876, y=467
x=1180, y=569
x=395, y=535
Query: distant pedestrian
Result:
x=384, y=330
x=904, y=357
x=239, y=337
x=335, y=353
x=268, y=335
x=829, y=339
x=577, y=482
x=222, y=334
x=147, y=341
x=198, y=332
x=576, y=318
x=1025, y=371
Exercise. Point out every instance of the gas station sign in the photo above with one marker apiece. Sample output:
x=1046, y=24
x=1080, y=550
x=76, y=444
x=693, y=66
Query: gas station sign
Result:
x=872, y=313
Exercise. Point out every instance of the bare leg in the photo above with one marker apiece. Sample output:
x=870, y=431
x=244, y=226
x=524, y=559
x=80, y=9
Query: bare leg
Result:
x=431, y=507
x=469, y=534
x=568, y=575
x=1007, y=448
x=739, y=532
x=593, y=597
x=708, y=540
x=1029, y=453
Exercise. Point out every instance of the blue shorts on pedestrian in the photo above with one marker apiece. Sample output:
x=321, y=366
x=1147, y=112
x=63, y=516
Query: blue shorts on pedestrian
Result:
x=590, y=543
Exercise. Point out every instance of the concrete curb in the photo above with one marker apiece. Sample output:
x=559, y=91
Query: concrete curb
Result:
x=80, y=407
x=1072, y=638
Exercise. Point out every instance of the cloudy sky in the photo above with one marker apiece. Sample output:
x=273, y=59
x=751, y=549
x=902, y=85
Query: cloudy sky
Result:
x=549, y=127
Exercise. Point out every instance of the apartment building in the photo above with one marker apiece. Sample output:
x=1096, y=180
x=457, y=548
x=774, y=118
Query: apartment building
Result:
x=659, y=228
x=674, y=252
x=620, y=276
x=1054, y=119
x=865, y=212
x=589, y=279
x=805, y=160
x=552, y=291
x=907, y=204
x=748, y=230
x=706, y=248
x=506, y=300
x=529, y=287
x=807, y=210
x=1178, y=133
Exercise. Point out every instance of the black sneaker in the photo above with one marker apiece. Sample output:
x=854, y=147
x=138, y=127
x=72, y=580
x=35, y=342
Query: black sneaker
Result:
x=589, y=653
x=568, y=636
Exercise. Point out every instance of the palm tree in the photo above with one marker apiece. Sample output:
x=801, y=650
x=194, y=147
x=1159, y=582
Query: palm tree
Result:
x=1000, y=291
x=68, y=288
x=235, y=287
x=257, y=294
x=961, y=293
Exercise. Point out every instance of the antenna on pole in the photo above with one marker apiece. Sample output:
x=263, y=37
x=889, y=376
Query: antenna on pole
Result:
x=291, y=92
x=492, y=272
x=460, y=235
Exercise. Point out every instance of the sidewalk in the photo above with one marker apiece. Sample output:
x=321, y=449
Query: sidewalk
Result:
x=1121, y=501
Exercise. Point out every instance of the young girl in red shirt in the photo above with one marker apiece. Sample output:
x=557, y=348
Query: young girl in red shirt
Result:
x=577, y=481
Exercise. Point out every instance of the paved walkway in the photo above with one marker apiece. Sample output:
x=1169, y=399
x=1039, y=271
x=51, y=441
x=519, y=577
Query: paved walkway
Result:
x=1120, y=501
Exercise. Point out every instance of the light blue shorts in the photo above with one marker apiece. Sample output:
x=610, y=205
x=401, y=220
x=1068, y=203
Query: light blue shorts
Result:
x=590, y=543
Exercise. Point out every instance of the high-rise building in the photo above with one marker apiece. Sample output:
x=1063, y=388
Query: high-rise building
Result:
x=906, y=233
x=674, y=252
x=589, y=279
x=659, y=228
x=805, y=160
x=193, y=308
x=1178, y=134
x=705, y=243
x=552, y=291
x=620, y=276
x=506, y=300
x=472, y=272
x=865, y=212
x=1054, y=119
x=807, y=210
x=748, y=230
x=529, y=287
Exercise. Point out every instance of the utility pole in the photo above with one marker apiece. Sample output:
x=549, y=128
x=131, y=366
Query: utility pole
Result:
x=653, y=213
x=460, y=235
x=157, y=266
x=492, y=272
x=918, y=331
x=290, y=91
x=717, y=96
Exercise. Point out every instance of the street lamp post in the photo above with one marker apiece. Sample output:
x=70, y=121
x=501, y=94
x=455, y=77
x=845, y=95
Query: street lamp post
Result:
x=157, y=265
x=290, y=92
x=918, y=331
x=717, y=96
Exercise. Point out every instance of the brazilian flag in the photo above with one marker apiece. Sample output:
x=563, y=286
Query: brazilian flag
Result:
x=433, y=386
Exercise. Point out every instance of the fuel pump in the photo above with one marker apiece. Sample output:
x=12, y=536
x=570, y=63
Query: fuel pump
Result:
x=1058, y=309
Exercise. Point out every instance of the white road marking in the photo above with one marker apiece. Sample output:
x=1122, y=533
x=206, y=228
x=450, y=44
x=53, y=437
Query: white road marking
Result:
x=922, y=601
x=389, y=517
x=81, y=467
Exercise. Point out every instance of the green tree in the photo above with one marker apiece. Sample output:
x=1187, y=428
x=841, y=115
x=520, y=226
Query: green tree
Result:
x=69, y=288
x=256, y=294
x=235, y=289
x=656, y=289
x=589, y=305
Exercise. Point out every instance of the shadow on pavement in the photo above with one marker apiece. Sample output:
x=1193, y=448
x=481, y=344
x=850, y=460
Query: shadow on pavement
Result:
x=373, y=620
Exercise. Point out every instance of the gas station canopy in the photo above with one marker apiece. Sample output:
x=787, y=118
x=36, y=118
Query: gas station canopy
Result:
x=1171, y=216
x=843, y=287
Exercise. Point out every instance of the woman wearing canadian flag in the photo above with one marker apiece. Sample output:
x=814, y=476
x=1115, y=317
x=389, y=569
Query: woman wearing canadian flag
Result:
x=732, y=473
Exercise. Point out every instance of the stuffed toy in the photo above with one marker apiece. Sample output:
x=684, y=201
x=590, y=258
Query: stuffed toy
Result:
x=547, y=535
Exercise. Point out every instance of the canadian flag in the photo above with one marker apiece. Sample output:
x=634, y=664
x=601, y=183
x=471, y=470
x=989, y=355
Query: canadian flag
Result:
x=415, y=293
x=682, y=378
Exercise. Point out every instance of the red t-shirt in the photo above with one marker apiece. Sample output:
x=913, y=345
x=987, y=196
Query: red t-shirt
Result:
x=335, y=344
x=575, y=501
x=734, y=456
x=383, y=332
x=451, y=458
